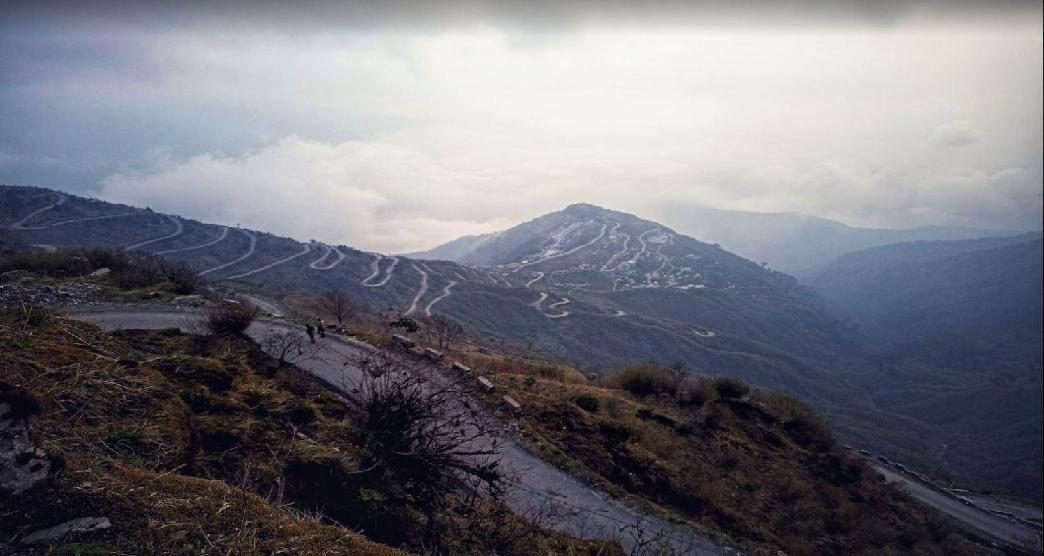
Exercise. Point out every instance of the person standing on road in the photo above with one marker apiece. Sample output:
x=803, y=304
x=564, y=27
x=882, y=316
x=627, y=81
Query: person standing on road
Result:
x=321, y=328
x=310, y=330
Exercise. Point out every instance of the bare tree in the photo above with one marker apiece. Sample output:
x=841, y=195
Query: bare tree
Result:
x=182, y=275
x=442, y=331
x=421, y=431
x=337, y=304
x=286, y=346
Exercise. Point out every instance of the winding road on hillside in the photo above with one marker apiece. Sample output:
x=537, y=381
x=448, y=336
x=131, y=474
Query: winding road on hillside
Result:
x=375, y=266
x=601, y=234
x=423, y=289
x=179, y=228
x=584, y=511
x=607, y=267
x=537, y=277
x=243, y=257
x=221, y=236
x=644, y=245
x=318, y=264
x=445, y=293
x=304, y=251
x=555, y=306
x=20, y=225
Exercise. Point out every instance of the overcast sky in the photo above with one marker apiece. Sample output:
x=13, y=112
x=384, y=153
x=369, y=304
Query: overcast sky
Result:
x=398, y=126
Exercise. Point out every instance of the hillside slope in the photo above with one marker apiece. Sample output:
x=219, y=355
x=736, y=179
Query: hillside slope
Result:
x=652, y=294
x=596, y=288
x=956, y=332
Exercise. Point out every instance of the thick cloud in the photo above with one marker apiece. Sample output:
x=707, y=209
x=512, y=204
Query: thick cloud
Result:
x=396, y=140
x=532, y=15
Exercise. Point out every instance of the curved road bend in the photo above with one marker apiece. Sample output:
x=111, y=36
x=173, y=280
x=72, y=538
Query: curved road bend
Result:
x=249, y=251
x=421, y=290
x=376, y=266
x=445, y=293
x=601, y=234
x=976, y=520
x=20, y=225
x=221, y=236
x=179, y=228
x=585, y=511
x=304, y=251
x=322, y=264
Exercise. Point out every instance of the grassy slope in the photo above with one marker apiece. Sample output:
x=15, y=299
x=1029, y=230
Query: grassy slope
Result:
x=760, y=468
x=201, y=448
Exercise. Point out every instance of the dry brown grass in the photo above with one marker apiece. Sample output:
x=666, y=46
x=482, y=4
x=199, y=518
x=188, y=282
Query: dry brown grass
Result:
x=203, y=444
x=154, y=513
x=761, y=468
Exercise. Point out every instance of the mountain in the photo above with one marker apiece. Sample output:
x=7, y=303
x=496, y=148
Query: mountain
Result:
x=456, y=250
x=955, y=329
x=591, y=287
x=791, y=242
x=926, y=291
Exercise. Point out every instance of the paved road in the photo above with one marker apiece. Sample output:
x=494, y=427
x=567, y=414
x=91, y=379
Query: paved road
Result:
x=601, y=234
x=376, y=266
x=445, y=293
x=249, y=251
x=20, y=225
x=221, y=236
x=977, y=520
x=423, y=289
x=307, y=248
x=584, y=511
x=321, y=264
x=179, y=229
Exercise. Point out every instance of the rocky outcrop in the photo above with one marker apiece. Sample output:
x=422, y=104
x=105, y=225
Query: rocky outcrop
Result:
x=22, y=464
x=62, y=530
x=14, y=293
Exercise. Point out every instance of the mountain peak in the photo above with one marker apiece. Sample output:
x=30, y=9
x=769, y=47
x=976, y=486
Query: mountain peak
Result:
x=583, y=208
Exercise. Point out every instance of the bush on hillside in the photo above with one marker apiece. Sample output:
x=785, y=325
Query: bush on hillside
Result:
x=644, y=380
x=183, y=277
x=731, y=388
x=229, y=319
x=588, y=403
x=800, y=422
x=129, y=269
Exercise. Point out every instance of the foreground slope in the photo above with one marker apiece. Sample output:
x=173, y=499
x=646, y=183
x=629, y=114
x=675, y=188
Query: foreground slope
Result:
x=205, y=445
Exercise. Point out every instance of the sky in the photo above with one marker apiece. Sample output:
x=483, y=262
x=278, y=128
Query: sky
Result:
x=396, y=126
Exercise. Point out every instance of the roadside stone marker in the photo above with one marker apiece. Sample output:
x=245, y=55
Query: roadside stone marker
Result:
x=513, y=404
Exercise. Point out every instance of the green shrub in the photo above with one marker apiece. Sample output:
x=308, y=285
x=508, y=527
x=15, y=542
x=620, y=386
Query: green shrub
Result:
x=644, y=380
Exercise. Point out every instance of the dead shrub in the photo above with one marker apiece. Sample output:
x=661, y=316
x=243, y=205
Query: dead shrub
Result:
x=800, y=422
x=229, y=319
x=587, y=403
x=644, y=380
x=731, y=388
